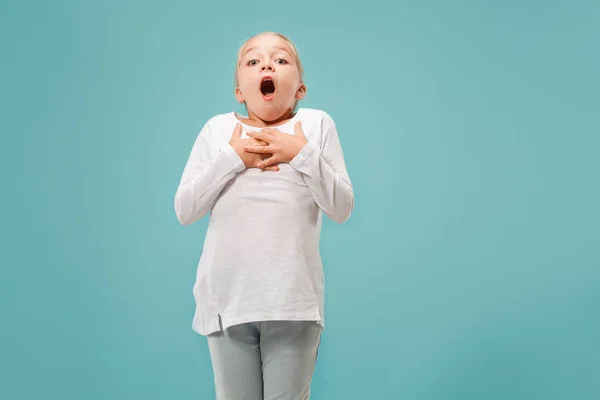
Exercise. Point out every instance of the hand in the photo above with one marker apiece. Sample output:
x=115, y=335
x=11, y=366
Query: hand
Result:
x=250, y=160
x=280, y=147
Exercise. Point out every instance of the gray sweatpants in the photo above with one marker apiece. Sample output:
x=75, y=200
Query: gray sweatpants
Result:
x=265, y=360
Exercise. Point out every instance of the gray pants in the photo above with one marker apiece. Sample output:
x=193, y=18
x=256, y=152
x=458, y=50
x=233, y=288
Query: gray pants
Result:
x=265, y=360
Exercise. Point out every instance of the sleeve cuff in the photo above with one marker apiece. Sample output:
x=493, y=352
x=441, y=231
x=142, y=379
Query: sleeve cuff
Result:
x=308, y=151
x=238, y=164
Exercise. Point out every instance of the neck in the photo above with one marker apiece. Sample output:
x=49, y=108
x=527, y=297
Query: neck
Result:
x=262, y=122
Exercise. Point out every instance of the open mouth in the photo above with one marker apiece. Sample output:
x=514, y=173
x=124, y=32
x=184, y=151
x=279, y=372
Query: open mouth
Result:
x=267, y=87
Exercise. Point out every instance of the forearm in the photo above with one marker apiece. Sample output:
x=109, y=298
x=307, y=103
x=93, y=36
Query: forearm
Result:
x=201, y=184
x=331, y=189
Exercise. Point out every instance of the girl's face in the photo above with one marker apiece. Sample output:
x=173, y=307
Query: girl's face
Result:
x=268, y=77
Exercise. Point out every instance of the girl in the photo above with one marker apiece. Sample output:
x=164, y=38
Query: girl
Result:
x=266, y=179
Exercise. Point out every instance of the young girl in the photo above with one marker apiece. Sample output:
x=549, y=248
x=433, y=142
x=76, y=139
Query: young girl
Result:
x=266, y=180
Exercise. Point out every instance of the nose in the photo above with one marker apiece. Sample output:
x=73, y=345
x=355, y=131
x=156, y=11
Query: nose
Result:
x=267, y=67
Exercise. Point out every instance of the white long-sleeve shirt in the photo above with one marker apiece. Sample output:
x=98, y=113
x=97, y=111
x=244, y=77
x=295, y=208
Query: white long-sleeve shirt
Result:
x=261, y=259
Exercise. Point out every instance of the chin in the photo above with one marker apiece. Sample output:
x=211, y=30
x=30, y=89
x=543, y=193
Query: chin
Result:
x=269, y=111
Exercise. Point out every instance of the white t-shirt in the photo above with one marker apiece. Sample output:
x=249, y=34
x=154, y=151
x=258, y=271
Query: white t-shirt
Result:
x=261, y=258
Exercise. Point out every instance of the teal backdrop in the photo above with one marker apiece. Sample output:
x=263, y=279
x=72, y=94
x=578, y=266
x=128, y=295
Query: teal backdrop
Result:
x=470, y=268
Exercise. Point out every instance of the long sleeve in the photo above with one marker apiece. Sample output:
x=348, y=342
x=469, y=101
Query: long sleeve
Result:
x=325, y=174
x=204, y=177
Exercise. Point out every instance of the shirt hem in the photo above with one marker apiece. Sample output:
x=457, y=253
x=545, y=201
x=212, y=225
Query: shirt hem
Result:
x=229, y=322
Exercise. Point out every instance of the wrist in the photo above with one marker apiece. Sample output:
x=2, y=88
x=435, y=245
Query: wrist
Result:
x=297, y=150
x=232, y=154
x=305, y=154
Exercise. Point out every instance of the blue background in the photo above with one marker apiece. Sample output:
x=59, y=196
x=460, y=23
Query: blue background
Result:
x=470, y=268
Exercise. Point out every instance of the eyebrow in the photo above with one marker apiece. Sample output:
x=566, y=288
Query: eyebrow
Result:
x=277, y=47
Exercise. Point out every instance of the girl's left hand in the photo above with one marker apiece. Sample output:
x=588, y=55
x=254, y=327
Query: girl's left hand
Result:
x=282, y=146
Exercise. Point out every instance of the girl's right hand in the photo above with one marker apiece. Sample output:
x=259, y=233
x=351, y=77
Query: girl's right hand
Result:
x=250, y=159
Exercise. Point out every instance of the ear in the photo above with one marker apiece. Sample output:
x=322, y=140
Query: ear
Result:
x=238, y=95
x=301, y=92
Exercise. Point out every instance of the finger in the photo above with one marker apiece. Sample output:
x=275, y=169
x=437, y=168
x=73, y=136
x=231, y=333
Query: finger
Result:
x=237, y=132
x=267, y=162
x=258, y=142
x=258, y=149
x=271, y=131
x=273, y=168
x=298, y=129
x=265, y=137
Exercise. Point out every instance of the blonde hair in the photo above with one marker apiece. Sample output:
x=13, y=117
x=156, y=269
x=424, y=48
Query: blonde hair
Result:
x=285, y=38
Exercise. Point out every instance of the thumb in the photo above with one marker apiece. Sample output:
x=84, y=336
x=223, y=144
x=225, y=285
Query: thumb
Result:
x=237, y=132
x=298, y=130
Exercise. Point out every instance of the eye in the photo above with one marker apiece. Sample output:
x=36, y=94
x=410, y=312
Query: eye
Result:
x=281, y=61
x=252, y=62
